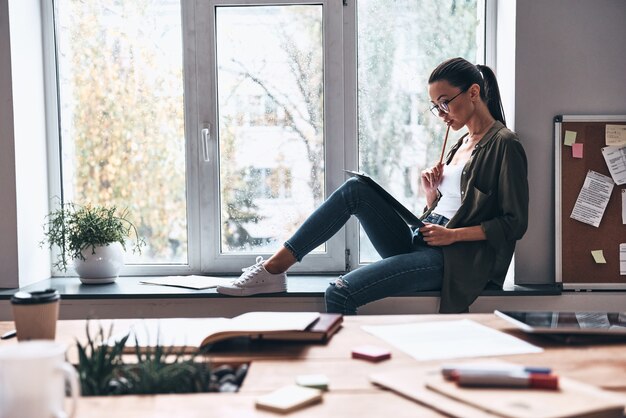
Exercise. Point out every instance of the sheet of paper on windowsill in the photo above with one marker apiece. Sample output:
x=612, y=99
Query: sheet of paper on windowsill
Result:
x=615, y=135
x=189, y=282
x=450, y=339
x=593, y=199
x=616, y=162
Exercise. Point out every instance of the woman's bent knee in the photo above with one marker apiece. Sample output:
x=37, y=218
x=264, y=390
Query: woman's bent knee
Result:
x=338, y=298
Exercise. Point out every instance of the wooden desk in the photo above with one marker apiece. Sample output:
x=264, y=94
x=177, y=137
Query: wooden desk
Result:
x=351, y=394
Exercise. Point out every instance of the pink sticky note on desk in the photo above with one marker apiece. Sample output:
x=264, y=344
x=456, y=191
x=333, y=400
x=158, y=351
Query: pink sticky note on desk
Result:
x=577, y=150
x=371, y=353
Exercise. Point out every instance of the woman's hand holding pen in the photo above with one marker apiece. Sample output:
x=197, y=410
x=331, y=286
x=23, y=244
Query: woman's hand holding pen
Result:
x=431, y=179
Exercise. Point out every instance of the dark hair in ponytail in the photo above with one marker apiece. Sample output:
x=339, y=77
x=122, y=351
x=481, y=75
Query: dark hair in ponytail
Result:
x=462, y=74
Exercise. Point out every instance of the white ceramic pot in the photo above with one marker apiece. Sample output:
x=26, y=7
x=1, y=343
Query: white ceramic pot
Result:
x=101, y=267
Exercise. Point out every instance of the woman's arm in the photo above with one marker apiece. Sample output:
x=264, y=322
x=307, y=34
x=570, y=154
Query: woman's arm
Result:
x=431, y=179
x=440, y=235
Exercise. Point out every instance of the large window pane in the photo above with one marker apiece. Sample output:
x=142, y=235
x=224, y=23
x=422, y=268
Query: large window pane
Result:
x=399, y=43
x=121, y=115
x=271, y=142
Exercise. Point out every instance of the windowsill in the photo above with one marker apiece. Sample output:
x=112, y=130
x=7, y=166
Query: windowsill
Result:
x=298, y=285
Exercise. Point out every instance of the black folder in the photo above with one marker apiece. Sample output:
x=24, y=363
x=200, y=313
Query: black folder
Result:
x=408, y=216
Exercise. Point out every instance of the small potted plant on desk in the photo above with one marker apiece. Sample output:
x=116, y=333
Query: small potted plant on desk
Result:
x=93, y=237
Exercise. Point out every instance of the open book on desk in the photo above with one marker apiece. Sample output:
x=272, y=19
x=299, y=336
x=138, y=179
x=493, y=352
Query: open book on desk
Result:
x=194, y=333
x=408, y=216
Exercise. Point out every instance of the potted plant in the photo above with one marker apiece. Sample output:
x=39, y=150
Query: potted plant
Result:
x=104, y=368
x=93, y=237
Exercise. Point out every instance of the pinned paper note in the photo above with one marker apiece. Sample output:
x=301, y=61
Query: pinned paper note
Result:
x=624, y=206
x=622, y=259
x=593, y=199
x=598, y=256
x=615, y=135
x=616, y=162
x=577, y=150
x=570, y=138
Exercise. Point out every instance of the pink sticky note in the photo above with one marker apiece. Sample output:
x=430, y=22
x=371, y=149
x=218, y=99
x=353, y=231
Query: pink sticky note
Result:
x=577, y=150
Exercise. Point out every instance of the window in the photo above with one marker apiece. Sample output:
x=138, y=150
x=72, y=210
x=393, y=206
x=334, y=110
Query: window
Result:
x=121, y=116
x=397, y=49
x=221, y=125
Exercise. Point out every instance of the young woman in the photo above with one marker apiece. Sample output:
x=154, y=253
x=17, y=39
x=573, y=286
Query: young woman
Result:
x=477, y=208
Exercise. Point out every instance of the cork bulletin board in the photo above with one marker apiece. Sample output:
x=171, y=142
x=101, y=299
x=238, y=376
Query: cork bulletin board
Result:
x=587, y=256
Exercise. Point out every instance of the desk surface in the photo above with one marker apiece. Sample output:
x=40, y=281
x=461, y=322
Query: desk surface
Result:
x=351, y=394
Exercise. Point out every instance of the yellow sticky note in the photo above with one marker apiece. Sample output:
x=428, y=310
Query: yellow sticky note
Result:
x=570, y=138
x=615, y=135
x=598, y=256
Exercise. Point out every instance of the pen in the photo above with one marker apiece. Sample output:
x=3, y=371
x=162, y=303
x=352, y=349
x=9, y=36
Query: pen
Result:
x=9, y=334
x=447, y=370
x=511, y=380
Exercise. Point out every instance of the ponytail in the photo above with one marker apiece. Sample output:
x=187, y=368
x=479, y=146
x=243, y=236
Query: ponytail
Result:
x=492, y=93
x=463, y=74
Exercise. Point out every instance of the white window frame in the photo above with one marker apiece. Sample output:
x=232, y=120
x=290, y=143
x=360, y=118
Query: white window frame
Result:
x=340, y=121
x=351, y=102
x=333, y=259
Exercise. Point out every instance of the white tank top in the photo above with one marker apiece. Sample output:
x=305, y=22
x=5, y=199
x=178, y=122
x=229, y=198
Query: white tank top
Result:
x=450, y=189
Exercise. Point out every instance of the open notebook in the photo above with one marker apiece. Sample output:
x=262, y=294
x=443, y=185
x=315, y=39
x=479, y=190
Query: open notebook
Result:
x=193, y=333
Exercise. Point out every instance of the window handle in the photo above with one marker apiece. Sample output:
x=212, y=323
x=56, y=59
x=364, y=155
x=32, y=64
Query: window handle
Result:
x=206, y=137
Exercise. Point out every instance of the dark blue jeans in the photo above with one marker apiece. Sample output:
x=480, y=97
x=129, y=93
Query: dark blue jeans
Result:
x=407, y=265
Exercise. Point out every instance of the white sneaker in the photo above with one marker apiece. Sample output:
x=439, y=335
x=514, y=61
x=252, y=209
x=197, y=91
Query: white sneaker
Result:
x=255, y=280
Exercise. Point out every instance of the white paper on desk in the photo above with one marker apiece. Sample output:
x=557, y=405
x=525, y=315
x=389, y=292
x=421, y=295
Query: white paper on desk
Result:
x=593, y=198
x=616, y=162
x=450, y=339
x=190, y=282
x=622, y=259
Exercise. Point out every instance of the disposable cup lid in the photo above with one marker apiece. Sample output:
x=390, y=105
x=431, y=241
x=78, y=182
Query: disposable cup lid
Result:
x=37, y=296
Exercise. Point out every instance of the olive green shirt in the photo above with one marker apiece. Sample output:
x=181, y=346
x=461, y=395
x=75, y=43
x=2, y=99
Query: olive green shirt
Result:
x=494, y=195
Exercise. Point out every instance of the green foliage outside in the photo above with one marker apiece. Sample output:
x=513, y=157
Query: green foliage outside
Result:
x=127, y=111
x=401, y=43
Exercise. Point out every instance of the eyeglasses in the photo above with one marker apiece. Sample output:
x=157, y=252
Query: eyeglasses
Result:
x=443, y=106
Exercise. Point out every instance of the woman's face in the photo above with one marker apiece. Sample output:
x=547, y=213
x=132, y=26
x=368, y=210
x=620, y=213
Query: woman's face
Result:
x=458, y=102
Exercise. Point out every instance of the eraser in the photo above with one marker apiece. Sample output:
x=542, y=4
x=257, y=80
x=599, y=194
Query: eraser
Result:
x=371, y=353
x=317, y=381
x=289, y=398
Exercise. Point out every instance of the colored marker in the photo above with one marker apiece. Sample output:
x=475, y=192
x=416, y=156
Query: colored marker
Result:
x=8, y=335
x=447, y=370
x=512, y=380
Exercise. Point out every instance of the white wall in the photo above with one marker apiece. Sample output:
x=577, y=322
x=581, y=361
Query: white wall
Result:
x=570, y=59
x=23, y=134
x=8, y=213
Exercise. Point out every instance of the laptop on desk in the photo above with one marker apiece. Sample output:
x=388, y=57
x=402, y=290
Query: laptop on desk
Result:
x=570, y=327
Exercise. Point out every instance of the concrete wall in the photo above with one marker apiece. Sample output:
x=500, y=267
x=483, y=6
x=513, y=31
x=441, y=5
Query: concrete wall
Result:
x=570, y=59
